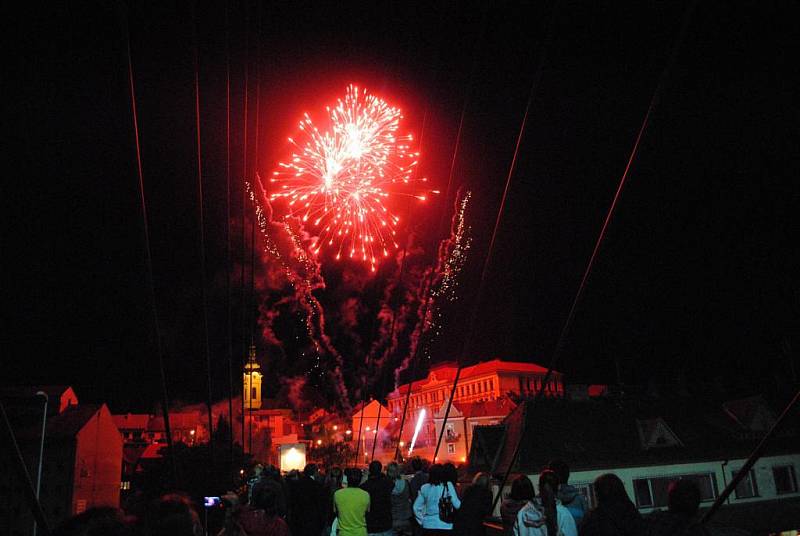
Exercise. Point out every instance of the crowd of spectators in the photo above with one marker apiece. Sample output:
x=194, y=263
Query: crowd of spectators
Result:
x=384, y=502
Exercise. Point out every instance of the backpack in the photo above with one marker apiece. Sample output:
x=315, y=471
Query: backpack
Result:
x=447, y=513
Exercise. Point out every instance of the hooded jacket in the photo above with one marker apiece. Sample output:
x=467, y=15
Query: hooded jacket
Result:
x=572, y=499
x=531, y=520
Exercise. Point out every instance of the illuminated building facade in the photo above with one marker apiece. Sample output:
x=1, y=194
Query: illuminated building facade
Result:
x=483, y=396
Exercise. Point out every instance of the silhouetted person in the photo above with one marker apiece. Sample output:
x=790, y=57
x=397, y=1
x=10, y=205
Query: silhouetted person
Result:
x=308, y=504
x=476, y=505
x=334, y=481
x=521, y=493
x=101, y=521
x=450, y=473
x=259, y=518
x=173, y=515
x=379, y=487
x=615, y=514
x=401, y=501
x=271, y=478
x=569, y=496
x=681, y=517
x=420, y=477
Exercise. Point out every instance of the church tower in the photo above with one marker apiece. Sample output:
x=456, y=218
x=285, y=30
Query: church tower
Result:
x=252, y=381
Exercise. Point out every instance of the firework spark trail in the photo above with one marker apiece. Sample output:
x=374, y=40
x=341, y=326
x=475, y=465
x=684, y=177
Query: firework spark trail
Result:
x=340, y=180
x=451, y=259
x=304, y=276
x=440, y=283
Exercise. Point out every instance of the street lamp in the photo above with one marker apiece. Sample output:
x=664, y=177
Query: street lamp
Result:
x=41, y=450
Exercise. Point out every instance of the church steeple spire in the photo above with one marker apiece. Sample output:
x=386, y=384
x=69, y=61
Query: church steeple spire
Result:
x=252, y=381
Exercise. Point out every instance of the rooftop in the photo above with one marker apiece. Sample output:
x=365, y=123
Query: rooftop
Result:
x=446, y=372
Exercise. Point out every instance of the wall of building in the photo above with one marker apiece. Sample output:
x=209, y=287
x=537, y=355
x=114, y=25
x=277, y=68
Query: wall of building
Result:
x=720, y=469
x=15, y=516
x=98, y=464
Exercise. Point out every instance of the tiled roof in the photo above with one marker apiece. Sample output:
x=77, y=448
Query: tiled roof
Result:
x=499, y=407
x=177, y=421
x=65, y=425
x=133, y=421
x=447, y=372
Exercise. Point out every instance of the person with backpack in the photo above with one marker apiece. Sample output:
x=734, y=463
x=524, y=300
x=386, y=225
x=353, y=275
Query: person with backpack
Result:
x=436, y=503
x=569, y=496
x=401, y=503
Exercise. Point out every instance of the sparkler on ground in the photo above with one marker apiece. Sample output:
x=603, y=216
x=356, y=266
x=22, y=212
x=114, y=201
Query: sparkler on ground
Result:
x=341, y=179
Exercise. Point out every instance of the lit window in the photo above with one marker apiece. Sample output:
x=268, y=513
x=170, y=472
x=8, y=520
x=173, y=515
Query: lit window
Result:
x=747, y=487
x=785, y=479
x=451, y=448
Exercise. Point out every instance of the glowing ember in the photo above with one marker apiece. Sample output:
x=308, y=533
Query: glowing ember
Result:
x=340, y=181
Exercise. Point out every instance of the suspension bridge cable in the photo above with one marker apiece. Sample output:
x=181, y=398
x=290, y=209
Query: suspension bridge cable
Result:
x=244, y=204
x=201, y=223
x=456, y=148
x=402, y=269
x=554, y=360
x=744, y=471
x=228, y=266
x=149, y=260
x=487, y=261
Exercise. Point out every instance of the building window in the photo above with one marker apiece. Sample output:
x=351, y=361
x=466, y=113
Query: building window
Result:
x=587, y=490
x=253, y=394
x=451, y=448
x=641, y=489
x=652, y=492
x=785, y=479
x=125, y=485
x=747, y=487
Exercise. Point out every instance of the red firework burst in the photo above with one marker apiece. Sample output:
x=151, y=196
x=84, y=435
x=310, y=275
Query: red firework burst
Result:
x=340, y=180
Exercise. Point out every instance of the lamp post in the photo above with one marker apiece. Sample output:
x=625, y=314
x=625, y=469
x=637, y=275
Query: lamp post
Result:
x=41, y=450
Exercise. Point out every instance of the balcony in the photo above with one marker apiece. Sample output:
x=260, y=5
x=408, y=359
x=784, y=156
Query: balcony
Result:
x=451, y=436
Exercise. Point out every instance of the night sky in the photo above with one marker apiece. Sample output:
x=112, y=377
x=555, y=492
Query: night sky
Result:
x=697, y=277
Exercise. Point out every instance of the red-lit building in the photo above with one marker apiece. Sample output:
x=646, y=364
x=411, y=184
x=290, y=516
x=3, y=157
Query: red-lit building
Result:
x=483, y=396
x=82, y=459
